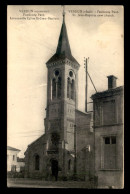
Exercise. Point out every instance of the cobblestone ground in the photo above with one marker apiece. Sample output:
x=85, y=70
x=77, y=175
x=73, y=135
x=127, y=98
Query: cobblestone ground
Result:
x=20, y=182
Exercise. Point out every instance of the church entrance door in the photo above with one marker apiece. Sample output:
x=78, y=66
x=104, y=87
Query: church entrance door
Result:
x=54, y=168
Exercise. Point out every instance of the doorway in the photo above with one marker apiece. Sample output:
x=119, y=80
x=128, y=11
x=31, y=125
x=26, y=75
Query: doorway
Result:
x=54, y=167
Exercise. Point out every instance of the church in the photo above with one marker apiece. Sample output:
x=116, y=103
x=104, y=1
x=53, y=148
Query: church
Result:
x=69, y=139
x=68, y=131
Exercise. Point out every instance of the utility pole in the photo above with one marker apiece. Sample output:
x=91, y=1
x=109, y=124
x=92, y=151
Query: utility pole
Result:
x=86, y=85
x=75, y=150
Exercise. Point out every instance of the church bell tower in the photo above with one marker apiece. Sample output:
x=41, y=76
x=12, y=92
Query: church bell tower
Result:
x=62, y=99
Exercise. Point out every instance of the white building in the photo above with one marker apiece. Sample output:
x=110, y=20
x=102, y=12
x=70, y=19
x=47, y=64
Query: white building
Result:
x=13, y=162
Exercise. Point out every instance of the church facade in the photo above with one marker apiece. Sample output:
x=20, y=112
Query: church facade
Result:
x=74, y=141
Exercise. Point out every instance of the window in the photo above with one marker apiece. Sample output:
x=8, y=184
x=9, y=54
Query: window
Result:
x=107, y=140
x=110, y=152
x=71, y=74
x=56, y=85
x=56, y=73
x=37, y=162
x=54, y=88
x=70, y=86
x=72, y=89
x=109, y=112
x=13, y=157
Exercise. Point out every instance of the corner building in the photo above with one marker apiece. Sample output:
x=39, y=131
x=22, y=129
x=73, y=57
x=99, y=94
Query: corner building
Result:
x=109, y=135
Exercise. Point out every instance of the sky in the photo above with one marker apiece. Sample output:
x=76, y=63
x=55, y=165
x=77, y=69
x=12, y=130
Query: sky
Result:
x=31, y=43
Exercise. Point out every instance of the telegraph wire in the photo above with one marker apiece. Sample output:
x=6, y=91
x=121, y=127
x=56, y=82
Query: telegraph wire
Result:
x=97, y=74
x=92, y=65
x=22, y=135
x=51, y=50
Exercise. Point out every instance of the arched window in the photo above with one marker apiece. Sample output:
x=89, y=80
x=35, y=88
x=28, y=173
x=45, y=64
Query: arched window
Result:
x=71, y=86
x=59, y=87
x=53, y=88
x=72, y=90
x=37, y=162
x=56, y=85
x=68, y=87
x=69, y=164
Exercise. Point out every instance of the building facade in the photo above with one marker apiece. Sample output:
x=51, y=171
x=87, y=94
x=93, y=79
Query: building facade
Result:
x=14, y=163
x=109, y=135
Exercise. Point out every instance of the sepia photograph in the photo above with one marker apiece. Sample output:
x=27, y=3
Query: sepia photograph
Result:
x=65, y=96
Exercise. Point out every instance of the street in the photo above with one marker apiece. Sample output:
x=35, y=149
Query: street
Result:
x=30, y=183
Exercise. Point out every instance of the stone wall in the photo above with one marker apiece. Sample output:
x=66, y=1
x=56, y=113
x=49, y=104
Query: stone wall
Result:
x=36, y=148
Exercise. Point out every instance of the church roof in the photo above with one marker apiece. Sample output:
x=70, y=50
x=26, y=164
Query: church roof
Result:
x=63, y=48
x=38, y=139
x=63, y=43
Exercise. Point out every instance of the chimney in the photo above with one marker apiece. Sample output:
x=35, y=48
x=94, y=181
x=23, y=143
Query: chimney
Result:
x=111, y=81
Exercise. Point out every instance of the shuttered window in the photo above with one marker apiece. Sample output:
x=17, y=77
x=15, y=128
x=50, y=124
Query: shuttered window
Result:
x=110, y=152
